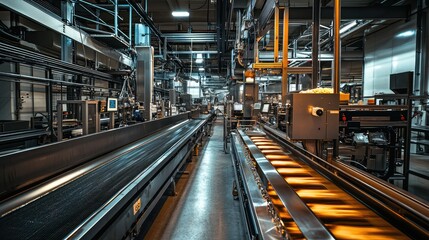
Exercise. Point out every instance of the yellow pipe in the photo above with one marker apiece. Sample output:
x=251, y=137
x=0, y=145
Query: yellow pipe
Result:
x=337, y=46
x=276, y=33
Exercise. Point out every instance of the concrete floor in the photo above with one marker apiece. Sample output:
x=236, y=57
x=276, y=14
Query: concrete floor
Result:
x=417, y=185
x=204, y=207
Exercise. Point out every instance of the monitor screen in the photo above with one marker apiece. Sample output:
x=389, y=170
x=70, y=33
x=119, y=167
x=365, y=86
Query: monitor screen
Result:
x=265, y=108
x=257, y=106
x=112, y=104
x=238, y=107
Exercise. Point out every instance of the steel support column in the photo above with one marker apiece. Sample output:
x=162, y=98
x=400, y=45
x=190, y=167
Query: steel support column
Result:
x=220, y=31
x=66, y=42
x=337, y=46
x=315, y=42
x=337, y=61
x=419, y=33
x=285, y=62
x=145, y=73
x=424, y=88
x=116, y=18
x=130, y=25
x=276, y=33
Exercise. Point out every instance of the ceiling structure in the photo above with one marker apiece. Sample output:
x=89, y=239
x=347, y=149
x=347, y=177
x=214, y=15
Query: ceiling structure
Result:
x=199, y=33
x=213, y=26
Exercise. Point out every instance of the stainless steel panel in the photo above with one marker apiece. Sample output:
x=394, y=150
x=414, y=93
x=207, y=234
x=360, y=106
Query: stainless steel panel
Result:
x=303, y=125
x=307, y=222
x=391, y=50
x=251, y=199
x=145, y=73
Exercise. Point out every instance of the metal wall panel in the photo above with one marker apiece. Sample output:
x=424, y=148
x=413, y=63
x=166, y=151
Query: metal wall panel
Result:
x=391, y=50
x=145, y=73
x=7, y=103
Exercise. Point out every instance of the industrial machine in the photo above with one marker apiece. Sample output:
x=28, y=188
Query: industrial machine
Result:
x=312, y=116
x=375, y=135
x=97, y=186
x=78, y=117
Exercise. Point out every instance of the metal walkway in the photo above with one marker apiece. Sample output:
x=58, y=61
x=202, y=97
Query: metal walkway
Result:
x=204, y=207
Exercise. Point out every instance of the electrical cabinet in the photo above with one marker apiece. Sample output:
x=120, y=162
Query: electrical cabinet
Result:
x=312, y=116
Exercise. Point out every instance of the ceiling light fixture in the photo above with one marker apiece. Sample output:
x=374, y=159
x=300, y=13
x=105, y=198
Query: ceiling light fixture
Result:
x=406, y=34
x=199, y=58
x=180, y=14
x=201, y=69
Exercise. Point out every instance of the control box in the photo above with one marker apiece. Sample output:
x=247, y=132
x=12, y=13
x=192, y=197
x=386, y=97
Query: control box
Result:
x=312, y=116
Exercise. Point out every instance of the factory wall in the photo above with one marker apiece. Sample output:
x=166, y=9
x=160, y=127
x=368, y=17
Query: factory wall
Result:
x=390, y=50
x=33, y=96
x=7, y=96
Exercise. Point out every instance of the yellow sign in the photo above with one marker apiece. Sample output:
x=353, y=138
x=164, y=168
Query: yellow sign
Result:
x=137, y=205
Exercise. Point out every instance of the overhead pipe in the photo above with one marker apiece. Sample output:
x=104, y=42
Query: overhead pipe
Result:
x=276, y=33
x=143, y=14
x=116, y=18
x=130, y=24
x=265, y=15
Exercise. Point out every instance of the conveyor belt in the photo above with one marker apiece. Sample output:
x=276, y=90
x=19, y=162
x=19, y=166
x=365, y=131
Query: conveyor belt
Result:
x=343, y=216
x=56, y=214
x=310, y=198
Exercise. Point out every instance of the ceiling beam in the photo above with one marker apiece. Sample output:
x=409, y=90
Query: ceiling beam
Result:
x=266, y=14
x=348, y=13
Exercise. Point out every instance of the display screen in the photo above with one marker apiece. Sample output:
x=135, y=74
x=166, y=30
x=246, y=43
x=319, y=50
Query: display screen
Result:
x=238, y=107
x=257, y=106
x=112, y=104
x=265, y=108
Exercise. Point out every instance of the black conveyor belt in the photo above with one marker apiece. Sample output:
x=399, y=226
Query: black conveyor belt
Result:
x=58, y=213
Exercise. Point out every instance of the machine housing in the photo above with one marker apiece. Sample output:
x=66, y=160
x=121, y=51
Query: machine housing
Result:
x=312, y=116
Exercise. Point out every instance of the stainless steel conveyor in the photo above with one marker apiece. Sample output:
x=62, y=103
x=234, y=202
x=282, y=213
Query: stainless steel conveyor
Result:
x=310, y=198
x=106, y=197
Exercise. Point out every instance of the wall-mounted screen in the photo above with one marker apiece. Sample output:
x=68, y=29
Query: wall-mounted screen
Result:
x=265, y=108
x=112, y=104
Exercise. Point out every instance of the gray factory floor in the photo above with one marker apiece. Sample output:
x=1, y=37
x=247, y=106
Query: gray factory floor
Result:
x=417, y=185
x=204, y=207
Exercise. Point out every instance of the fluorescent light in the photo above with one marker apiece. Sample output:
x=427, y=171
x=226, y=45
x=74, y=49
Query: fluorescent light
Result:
x=406, y=34
x=201, y=69
x=199, y=58
x=180, y=14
